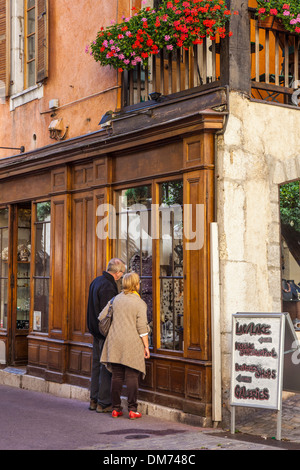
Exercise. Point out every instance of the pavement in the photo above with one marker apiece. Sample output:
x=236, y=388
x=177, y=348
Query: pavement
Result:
x=47, y=420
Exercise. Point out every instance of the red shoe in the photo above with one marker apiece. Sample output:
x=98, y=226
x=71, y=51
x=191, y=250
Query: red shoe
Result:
x=134, y=415
x=116, y=414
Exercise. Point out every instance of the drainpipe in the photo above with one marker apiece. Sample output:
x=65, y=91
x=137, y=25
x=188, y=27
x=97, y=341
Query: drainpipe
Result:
x=215, y=327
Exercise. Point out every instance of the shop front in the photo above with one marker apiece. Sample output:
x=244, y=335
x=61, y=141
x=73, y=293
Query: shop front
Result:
x=146, y=196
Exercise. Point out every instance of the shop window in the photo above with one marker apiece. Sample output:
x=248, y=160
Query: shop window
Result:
x=290, y=250
x=137, y=211
x=134, y=238
x=42, y=266
x=26, y=51
x=171, y=265
x=3, y=266
x=23, y=267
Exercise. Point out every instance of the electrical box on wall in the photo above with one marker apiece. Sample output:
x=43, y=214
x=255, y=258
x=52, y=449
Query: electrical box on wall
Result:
x=53, y=104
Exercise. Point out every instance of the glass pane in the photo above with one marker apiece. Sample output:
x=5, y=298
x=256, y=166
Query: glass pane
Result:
x=42, y=253
x=171, y=301
x=30, y=3
x=3, y=303
x=42, y=266
x=3, y=218
x=3, y=245
x=31, y=48
x=171, y=264
x=23, y=267
x=134, y=244
x=30, y=21
x=290, y=252
x=43, y=211
x=3, y=267
x=41, y=305
x=31, y=74
x=23, y=298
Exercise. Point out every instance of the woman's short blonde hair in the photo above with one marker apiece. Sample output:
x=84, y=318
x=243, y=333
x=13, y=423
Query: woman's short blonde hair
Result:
x=130, y=282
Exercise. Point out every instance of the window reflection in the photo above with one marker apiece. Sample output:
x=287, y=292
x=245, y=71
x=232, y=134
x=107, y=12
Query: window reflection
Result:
x=171, y=265
x=42, y=266
x=134, y=239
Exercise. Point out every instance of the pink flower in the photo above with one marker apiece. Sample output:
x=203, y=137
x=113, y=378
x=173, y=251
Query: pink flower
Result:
x=170, y=47
x=273, y=11
x=167, y=37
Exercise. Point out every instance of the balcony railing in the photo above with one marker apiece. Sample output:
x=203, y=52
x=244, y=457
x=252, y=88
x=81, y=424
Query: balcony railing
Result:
x=273, y=68
x=169, y=73
x=274, y=63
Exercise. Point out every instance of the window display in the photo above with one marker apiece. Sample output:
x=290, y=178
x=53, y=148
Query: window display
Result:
x=136, y=212
x=171, y=265
x=23, y=268
x=42, y=266
x=3, y=266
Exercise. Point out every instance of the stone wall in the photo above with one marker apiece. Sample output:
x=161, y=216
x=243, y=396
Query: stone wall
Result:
x=259, y=150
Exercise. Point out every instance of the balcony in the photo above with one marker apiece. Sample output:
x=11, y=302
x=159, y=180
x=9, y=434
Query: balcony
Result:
x=174, y=72
x=266, y=67
x=274, y=63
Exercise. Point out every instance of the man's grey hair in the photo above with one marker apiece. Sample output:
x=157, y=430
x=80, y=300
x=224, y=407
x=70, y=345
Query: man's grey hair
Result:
x=115, y=265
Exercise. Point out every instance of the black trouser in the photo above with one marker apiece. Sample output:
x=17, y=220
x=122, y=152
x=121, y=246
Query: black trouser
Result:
x=122, y=374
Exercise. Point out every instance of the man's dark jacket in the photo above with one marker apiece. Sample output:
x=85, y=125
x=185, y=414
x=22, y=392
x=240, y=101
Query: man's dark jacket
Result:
x=101, y=291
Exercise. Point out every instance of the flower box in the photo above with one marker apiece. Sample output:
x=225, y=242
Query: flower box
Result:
x=271, y=22
x=175, y=24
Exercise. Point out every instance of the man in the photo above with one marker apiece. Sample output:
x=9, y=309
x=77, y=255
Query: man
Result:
x=101, y=291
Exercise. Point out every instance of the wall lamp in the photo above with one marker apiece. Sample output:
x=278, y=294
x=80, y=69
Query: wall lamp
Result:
x=56, y=129
x=106, y=119
x=155, y=96
x=22, y=148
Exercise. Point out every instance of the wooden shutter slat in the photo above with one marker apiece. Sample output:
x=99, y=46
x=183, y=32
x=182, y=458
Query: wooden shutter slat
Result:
x=42, y=40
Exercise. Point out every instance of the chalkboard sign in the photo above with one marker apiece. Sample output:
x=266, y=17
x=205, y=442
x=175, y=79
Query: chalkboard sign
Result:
x=265, y=361
x=257, y=366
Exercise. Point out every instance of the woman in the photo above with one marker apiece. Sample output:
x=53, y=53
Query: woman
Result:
x=126, y=346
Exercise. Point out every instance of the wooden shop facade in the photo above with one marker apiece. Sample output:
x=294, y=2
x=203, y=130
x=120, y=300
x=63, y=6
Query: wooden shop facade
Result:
x=51, y=214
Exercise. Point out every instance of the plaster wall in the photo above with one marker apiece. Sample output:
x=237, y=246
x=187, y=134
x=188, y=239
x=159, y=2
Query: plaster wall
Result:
x=85, y=90
x=258, y=151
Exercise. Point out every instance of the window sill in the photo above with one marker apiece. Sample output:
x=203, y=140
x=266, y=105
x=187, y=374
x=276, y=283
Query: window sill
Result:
x=35, y=92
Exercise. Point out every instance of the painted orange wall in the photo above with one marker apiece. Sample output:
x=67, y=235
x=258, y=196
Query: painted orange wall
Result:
x=85, y=90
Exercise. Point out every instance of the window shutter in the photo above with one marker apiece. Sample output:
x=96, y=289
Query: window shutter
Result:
x=42, y=40
x=4, y=44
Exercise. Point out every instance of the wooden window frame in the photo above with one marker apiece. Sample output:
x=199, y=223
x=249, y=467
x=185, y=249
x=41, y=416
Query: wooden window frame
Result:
x=26, y=42
x=33, y=275
x=154, y=183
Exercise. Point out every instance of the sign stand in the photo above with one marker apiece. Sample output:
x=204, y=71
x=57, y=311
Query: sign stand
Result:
x=261, y=366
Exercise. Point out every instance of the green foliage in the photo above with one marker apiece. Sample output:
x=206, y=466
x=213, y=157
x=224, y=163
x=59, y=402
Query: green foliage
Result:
x=290, y=205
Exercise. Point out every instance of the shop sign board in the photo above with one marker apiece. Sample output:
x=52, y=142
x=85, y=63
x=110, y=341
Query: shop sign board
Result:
x=259, y=343
x=257, y=360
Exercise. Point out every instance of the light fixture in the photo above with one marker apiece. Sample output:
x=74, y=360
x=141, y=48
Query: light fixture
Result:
x=106, y=119
x=22, y=148
x=155, y=96
x=56, y=129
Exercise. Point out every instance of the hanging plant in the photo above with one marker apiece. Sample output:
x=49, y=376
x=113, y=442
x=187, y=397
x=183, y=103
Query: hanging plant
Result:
x=286, y=12
x=175, y=24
